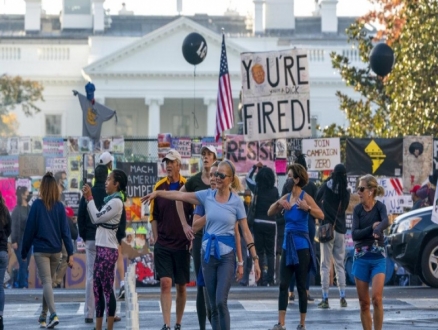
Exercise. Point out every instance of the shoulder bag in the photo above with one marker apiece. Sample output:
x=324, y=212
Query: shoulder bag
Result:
x=326, y=232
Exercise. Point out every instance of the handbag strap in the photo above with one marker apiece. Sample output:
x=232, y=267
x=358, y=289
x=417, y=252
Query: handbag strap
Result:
x=337, y=213
x=255, y=196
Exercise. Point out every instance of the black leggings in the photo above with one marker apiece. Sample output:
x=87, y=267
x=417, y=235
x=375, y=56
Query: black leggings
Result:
x=286, y=273
x=200, y=299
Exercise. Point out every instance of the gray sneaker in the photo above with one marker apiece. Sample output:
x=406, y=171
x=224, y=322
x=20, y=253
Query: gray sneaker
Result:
x=278, y=326
x=324, y=304
x=301, y=327
x=343, y=302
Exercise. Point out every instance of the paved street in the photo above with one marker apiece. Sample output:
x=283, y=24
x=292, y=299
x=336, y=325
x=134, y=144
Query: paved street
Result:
x=250, y=308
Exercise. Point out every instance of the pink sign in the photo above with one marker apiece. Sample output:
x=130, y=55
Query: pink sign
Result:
x=245, y=154
x=7, y=187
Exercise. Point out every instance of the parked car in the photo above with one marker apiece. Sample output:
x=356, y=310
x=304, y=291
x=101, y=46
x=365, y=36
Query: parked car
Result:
x=413, y=244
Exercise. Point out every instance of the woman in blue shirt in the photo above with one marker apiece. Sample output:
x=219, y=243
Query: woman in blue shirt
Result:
x=223, y=209
x=297, y=254
x=46, y=228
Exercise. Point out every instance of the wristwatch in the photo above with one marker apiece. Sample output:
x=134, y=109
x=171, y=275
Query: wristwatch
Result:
x=256, y=257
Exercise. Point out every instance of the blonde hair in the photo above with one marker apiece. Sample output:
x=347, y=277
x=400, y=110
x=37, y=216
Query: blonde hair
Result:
x=371, y=184
x=235, y=184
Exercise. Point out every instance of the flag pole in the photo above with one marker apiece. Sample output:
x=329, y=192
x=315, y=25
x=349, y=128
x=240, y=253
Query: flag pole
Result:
x=223, y=132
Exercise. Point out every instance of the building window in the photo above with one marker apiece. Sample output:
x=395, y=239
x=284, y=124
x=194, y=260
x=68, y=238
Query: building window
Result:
x=77, y=7
x=53, y=124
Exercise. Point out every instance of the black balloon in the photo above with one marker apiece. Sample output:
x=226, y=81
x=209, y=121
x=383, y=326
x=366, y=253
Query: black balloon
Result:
x=382, y=59
x=194, y=48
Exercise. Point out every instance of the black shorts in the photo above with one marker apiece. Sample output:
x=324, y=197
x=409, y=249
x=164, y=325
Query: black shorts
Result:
x=172, y=263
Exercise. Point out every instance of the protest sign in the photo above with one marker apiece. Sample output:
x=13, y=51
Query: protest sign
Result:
x=417, y=160
x=393, y=198
x=374, y=156
x=72, y=199
x=246, y=154
x=7, y=187
x=322, y=154
x=275, y=94
x=53, y=147
x=56, y=164
x=31, y=165
x=183, y=146
x=9, y=165
x=141, y=177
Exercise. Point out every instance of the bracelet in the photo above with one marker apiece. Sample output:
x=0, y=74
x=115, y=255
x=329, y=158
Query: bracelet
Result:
x=240, y=263
x=249, y=246
x=256, y=257
x=89, y=198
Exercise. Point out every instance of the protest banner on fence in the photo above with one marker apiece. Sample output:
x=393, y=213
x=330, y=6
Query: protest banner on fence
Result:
x=246, y=154
x=275, y=94
x=141, y=177
x=322, y=154
x=374, y=156
x=9, y=165
x=394, y=199
x=417, y=160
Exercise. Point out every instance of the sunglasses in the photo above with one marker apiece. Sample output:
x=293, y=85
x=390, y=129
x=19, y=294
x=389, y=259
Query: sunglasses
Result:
x=361, y=189
x=220, y=175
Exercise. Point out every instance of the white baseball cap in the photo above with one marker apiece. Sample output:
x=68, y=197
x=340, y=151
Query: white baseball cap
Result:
x=106, y=158
x=211, y=149
x=172, y=154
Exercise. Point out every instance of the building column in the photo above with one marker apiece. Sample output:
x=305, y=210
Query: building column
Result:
x=211, y=115
x=154, y=115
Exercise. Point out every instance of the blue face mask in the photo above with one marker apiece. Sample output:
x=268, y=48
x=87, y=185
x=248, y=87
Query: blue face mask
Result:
x=65, y=183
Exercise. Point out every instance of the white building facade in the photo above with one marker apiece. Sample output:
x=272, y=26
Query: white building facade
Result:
x=137, y=66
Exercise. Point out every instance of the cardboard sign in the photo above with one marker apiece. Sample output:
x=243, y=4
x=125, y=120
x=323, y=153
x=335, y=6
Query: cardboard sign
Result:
x=246, y=154
x=141, y=177
x=31, y=165
x=275, y=94
x=322, y=154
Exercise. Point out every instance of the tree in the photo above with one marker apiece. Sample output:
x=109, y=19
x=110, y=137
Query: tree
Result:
x=381, y=110
x=16, y=91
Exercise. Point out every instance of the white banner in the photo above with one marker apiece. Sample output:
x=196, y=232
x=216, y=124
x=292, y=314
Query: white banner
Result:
x=275, y=94
x=393, y=198
x=322, y=154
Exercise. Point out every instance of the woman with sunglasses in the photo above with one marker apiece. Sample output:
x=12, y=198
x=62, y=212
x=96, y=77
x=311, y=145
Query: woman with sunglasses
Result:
x=297, y=255
x=370, y=219
x=46, y=228
x=223, y=209
x=199, y=220
x=199, y=181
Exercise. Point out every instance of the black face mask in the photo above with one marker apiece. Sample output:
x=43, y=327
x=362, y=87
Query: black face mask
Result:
x=29, y=197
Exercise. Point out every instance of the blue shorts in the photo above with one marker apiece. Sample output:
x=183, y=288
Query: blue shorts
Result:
x=364, y=269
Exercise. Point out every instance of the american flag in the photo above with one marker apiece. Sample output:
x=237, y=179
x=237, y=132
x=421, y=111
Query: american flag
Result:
x=224, y=112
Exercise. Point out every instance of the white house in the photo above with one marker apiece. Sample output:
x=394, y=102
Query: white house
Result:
x=138, y=68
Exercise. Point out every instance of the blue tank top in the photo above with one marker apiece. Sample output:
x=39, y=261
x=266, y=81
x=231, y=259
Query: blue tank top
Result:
x=296, y=220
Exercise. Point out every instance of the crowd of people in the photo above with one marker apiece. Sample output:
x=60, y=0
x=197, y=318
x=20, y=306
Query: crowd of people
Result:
x=225, y=246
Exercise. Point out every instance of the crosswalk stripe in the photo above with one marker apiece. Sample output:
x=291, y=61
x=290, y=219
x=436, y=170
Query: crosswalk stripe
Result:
x=80, y=309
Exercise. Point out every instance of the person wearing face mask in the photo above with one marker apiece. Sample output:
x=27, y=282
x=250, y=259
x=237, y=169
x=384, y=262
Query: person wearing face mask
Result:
x=311, y=190
x=370, y=219
x=334, y=198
